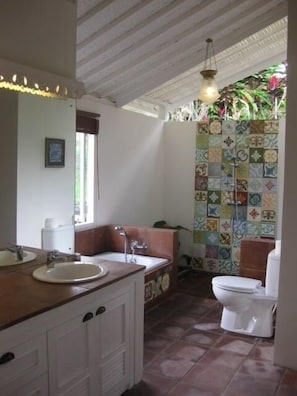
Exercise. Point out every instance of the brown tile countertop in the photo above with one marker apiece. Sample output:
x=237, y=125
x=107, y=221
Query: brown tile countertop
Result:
x=22, y=296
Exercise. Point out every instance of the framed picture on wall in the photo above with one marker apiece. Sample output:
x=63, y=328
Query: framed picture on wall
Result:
x=54, y=153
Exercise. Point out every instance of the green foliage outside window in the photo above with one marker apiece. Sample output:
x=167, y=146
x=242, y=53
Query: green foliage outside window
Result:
x=260, y=96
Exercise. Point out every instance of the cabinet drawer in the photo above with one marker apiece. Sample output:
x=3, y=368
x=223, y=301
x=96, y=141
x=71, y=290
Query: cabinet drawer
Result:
x=28, y=361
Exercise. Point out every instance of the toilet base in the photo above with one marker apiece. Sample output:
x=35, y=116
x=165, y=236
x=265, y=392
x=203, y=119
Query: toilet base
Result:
x=258, y=323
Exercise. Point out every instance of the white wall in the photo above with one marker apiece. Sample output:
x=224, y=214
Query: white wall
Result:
x=43, y=192
x=131, y=165
x=286, y=323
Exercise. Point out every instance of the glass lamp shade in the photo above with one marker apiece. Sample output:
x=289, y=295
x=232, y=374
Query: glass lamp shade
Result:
x=209, y=92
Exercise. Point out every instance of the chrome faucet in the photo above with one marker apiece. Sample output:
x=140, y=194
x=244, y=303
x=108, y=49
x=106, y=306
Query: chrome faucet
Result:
x=123, y=234
x=18, y=250
x=53, y=257
x=135, y=245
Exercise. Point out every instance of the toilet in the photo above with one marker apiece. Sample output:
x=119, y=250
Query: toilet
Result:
x=248, y=306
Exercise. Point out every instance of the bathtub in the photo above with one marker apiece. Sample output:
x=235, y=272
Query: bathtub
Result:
x=149, y=262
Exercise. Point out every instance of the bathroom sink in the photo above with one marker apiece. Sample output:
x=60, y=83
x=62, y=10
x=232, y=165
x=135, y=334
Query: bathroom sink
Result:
x=70, y=272
x=8, y=258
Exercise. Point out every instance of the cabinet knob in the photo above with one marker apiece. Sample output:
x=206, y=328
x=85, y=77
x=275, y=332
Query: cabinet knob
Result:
x=100, y=310
x=6, y=357
x=88, y=316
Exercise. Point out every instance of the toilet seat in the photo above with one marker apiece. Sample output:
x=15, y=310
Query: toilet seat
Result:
x=237, y=284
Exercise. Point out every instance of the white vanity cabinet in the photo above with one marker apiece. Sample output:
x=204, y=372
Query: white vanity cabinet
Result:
x=92, y=346
x=92, y=354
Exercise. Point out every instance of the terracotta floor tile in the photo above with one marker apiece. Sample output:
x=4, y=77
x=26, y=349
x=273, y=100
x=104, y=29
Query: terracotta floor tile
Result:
x=186, y=351
x=262, y=369
x=242, y=385
x=156, y=343
x=170, y=366
x=235, y=344
x=168, y=330
x=216, y=357
x=212, y=378
x=188, y=390
x=201, y=337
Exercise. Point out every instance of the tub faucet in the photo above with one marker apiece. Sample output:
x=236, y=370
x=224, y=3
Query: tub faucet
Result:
x=18, y=250
x=136, y=245
x=123, y=234
x=53, y=257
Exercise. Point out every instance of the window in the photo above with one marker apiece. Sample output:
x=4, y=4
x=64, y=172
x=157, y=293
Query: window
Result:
x=86, y=131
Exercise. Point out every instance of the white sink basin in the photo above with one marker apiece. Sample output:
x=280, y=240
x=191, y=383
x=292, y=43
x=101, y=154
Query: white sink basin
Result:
x=8, y=258
x=70, y=272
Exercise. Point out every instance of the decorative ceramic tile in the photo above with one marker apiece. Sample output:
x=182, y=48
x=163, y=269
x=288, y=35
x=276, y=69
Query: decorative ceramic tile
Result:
x=239, y=227
x=219, y=223
x=228, y=141
x=202, y=128
x=202, y=141
x=271, y=126
x=270, y=170
x=225, y=225
x=215, y=141
x=270, y=156
x=201, y=183
x=254, y=228
x=226, y=210
x=268, y=215
x=213, y=210
x=215, y=155
x=256, y=141
x=211, y=251
x=227, y=169
x=201, y=169
x=242, y=185
x=200, y=223
x=243, y=170
x=214, y=169
x=242, y=155
x=255, y=185
x=254, y=199
x=214, y=183
x=214, y=197
x=254, y=213
x=228, y=154
x=229, y=127
x=201, y=155
x=210, y=265
x=256, y=170
x=269, y=185
x=215, y=128
x=212, y=225
x=242, y=141
x=227, y=184
x=201, y=196
x=270, y=140
x=242, y=127
x=200, y=209
x=256, y=155
x=225, y=239
x=256, y=127
x=267, y=229
x=269, y=201
x=212, y=238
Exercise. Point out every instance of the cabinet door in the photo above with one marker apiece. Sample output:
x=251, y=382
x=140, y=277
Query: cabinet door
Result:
x=71, y=358
x=112, y=327
x=38, y=387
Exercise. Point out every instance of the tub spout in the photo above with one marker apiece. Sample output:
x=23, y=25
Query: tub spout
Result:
x=123, y=234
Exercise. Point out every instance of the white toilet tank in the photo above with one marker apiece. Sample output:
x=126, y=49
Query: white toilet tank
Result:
x=58, y=238
x=272, y=273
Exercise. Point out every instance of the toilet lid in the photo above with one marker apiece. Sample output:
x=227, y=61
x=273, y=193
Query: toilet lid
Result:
x=236, y=283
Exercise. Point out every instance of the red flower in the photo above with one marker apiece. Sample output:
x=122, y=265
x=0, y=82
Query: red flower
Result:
x=274, y=82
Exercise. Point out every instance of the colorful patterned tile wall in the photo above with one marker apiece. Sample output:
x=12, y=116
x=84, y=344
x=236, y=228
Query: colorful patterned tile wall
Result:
x=235, y=189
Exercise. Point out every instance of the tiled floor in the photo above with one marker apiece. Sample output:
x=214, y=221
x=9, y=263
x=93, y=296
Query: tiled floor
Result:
x=186, y=353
